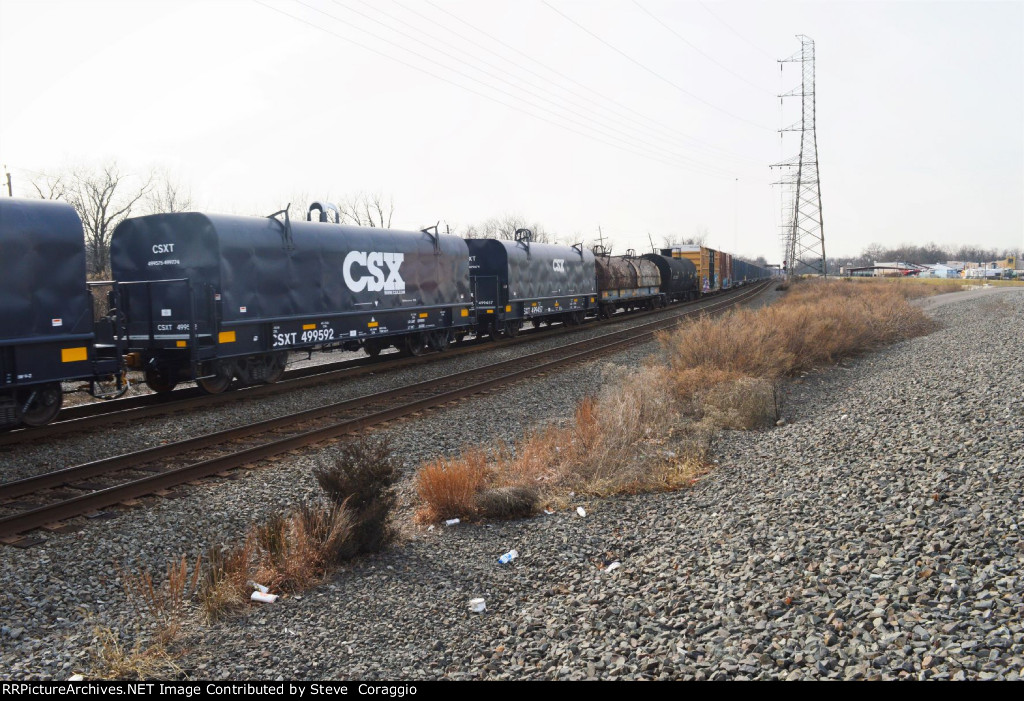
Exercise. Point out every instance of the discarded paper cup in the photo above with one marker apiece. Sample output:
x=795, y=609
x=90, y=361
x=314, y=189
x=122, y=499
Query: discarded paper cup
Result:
x=265, y=598
x=452, y=522
x=581, y=511
x=259, y=587
x=477, y=605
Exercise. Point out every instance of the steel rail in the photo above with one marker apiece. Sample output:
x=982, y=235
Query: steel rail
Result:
x=103, y=413
x=531, y=364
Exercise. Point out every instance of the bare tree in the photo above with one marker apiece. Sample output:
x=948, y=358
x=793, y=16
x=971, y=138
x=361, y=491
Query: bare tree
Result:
x=168, y=196
x=51, y=187
x=505, y=227
x=362, y=209
x=103, y=198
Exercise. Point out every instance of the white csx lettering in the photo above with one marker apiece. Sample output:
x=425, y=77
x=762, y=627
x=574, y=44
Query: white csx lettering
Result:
x=374, y=280
x=163, y=248
x=558, y=264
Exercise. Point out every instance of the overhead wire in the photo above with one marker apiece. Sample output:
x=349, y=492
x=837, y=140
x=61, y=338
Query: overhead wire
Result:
x=653, y=72
x=614, y=103
x=730, y=28
x=701, y=51
x=610, y=129
x=616, y=119
x=515, y=107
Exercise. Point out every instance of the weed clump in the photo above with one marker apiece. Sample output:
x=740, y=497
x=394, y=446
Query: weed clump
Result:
x=507, y=502
x=360, y=480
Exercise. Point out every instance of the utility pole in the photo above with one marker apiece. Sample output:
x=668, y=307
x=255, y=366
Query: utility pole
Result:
x=10, y=192
x=804, y=232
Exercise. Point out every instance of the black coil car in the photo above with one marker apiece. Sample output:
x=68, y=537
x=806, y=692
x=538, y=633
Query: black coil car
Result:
x=213, y=298
x=678, y=277
x=47, y=331
x=515, y=281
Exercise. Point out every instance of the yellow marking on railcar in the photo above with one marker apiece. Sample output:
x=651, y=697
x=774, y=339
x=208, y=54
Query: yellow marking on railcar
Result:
x=423, y=315
x=308, y=327
x=372, y=325
x=74, y=355
x=465, y=312
x=226, y=337
x=181, y=344
x=490, y=311
x=508, y=307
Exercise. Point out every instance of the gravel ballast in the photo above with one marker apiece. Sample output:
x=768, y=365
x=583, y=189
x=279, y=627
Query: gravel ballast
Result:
x=875, y=534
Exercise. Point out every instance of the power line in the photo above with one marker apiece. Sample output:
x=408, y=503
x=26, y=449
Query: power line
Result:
x=614, y=106
x=729, y=27
x=517, y=108
x=615, y=131
x=531, y=99
x=700, y=51
x=654, y=72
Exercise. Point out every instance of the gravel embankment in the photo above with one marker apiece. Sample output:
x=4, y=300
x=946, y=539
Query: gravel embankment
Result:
x=876, y=534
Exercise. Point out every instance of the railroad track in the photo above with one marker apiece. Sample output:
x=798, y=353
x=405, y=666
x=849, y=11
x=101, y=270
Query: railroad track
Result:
x=70, y=492
x=97, y=415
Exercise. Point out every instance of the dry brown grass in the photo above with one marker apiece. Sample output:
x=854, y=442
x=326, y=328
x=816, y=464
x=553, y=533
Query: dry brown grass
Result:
x=225, y=589
x=653, y=427
x=165, y=602
x=818, y=323
x=297, y=550
x=448, y=487
x=114, y=660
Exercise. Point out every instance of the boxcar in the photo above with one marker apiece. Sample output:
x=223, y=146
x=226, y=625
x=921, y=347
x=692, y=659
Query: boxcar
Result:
x=626, y=282
x=678, y=277
x=214, y=298
x=516, y=281
x=704, y=259
x=47, y=332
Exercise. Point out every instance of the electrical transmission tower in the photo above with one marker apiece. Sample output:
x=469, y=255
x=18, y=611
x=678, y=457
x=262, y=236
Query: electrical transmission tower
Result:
x=803, y=233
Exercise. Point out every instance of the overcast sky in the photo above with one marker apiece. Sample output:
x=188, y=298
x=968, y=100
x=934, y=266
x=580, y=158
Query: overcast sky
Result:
x=644, y=118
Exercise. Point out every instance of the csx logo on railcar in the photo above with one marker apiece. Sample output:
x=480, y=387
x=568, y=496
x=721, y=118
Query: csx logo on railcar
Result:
x=559, y=265
x=374, y=280
x=163, y=248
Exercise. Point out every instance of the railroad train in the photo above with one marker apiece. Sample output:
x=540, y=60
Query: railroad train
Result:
x=217, y=299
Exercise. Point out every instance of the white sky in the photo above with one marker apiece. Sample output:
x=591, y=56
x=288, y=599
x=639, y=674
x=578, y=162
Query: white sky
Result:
x=920, y=110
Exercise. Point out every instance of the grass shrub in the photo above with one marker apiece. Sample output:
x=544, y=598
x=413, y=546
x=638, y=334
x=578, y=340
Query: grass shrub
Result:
x=448, y=487
x=361, y=478
x=507, y=502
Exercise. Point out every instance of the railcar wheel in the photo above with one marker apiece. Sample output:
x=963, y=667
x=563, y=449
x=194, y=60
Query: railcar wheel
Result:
x=273, y=366
x=40, y=405
x=160, y=380
x=511, y=329
x=221, y=380
x=416, y=344
x=372, y=349
x=439, y=340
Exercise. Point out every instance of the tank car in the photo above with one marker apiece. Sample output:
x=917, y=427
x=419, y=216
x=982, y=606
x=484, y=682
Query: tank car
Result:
x=520, y=280
x=216, y=298
x=47, y=330
x=626, y=282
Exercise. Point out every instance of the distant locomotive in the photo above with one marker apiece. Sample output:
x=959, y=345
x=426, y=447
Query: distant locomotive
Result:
x=215, y=298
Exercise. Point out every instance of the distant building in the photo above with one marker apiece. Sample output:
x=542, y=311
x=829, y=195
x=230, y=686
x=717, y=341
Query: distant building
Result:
x=938, y=270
